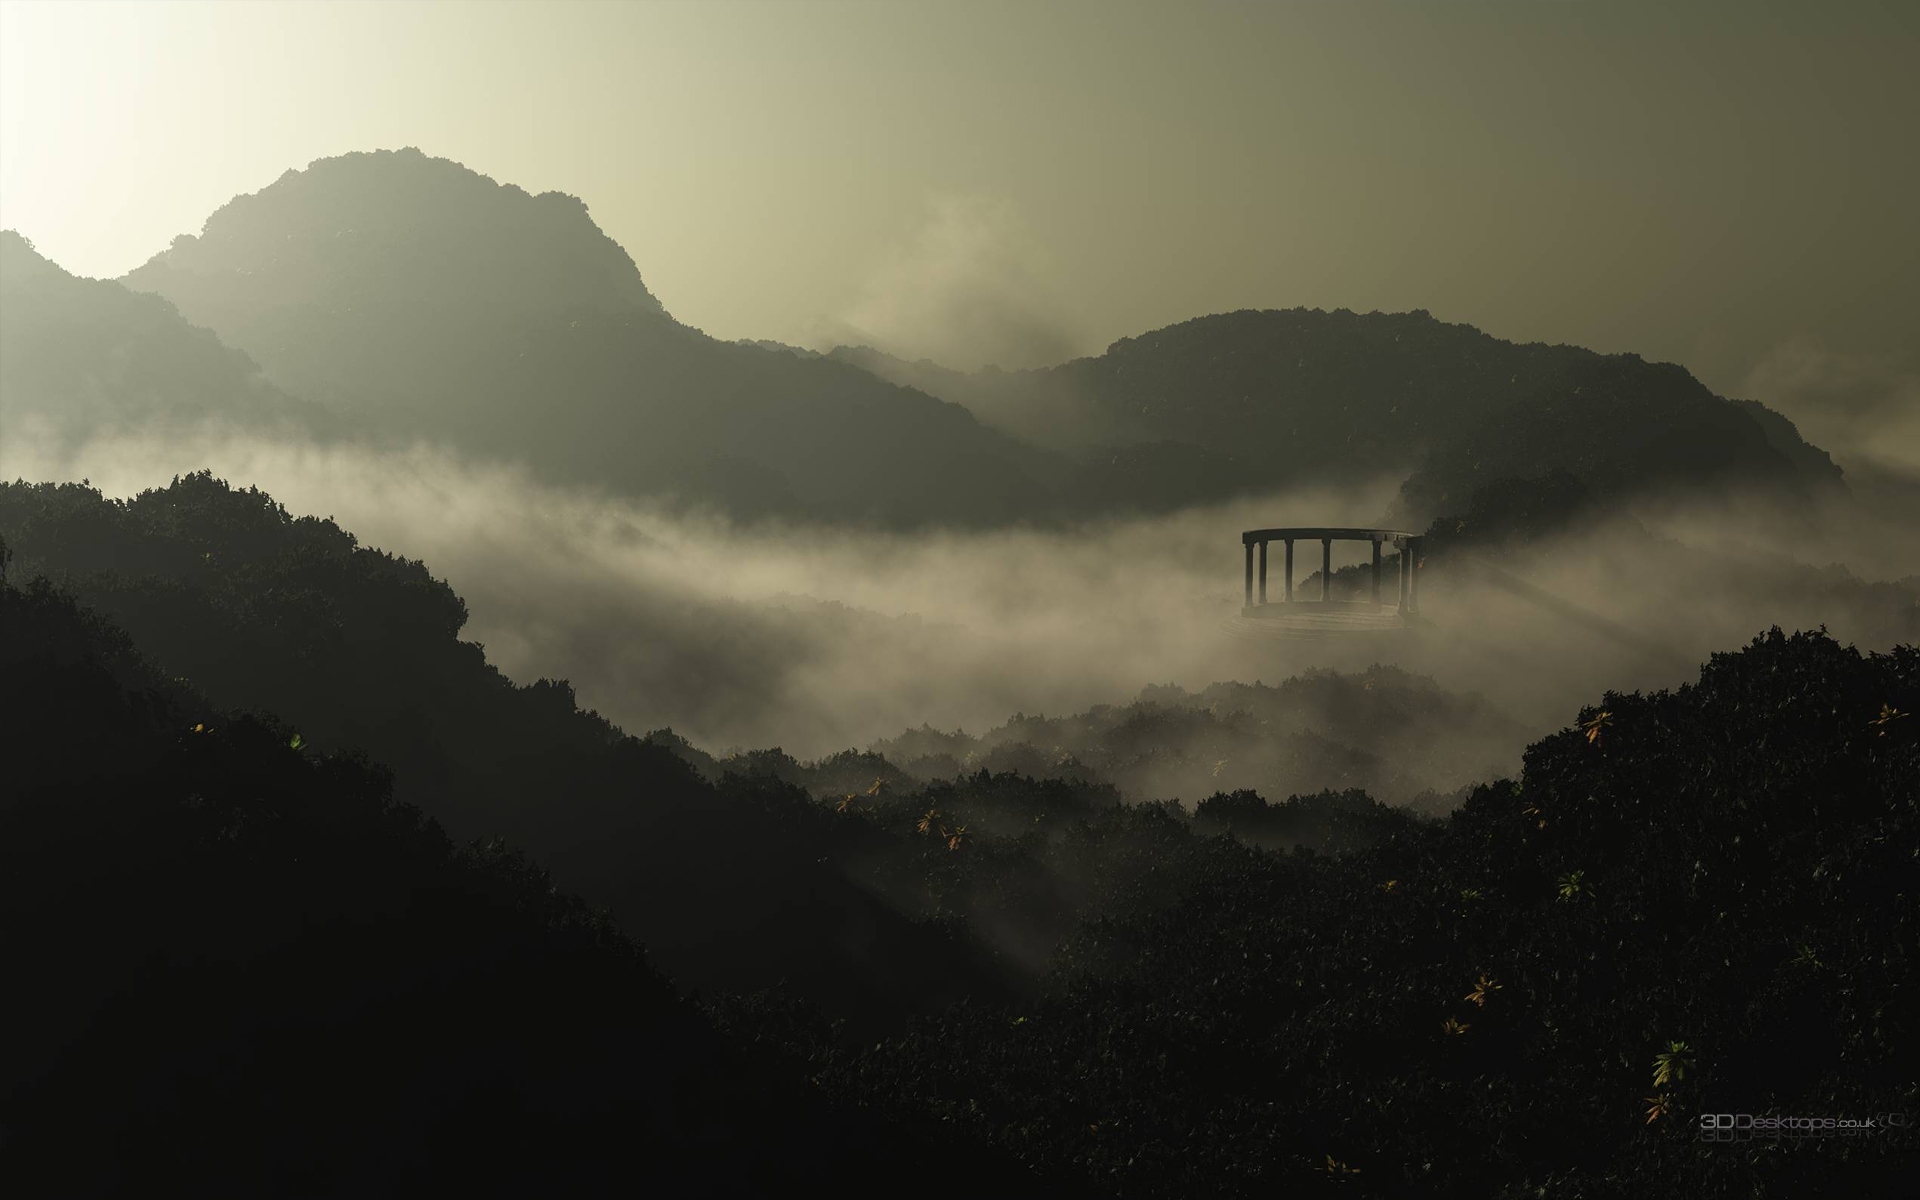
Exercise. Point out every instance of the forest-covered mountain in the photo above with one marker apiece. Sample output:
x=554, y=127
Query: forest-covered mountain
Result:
x=359, y=649
x=1282, y=396
x=1691, y=902
x=1395, y=735
x=81, y=357
x=241, y=968
x=1537, y=994
x=423, y=299
x=310, y=898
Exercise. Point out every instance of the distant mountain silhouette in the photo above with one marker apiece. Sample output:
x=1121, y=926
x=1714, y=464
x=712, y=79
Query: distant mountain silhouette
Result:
x=1304, y=394
x=424, y=298
x=84, y=356
x=410, y=296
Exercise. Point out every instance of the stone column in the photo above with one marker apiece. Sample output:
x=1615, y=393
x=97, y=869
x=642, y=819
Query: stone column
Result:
x=1376, y=572
x=1249, y=599
x=1263, y=572
x=1289, y=570
x=1326, y=569
x=1413, y=575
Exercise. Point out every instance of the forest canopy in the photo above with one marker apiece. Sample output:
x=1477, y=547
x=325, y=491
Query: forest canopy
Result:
x=1556, y=975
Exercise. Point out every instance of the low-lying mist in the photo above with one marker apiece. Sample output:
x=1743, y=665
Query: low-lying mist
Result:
x=820, y=639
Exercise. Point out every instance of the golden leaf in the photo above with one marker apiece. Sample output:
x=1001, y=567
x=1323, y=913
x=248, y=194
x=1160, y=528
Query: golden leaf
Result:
x=1594, y=725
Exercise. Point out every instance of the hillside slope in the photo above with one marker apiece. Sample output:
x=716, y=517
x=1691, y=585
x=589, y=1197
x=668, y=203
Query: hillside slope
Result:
x=1692, y=902
x=1303, y=394
x=79, y=357
x=360, y=650
x=254, y=973
x=421, y=298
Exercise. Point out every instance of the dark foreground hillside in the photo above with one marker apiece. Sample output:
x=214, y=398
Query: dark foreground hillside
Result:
x=238, y=968
x=730, y=884
x=360, y=650
x=1694, y=902
x=1691, y=902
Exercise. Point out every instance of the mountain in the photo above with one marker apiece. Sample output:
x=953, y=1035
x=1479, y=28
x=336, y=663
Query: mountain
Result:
x=341, y=276
x=293, y=980
x=84, y=356
x=1307, y=394
x=360, y=650
x=417, y=298
x=1399, y=736
x=420, y=298
x=1691, y=902
x=294, y=985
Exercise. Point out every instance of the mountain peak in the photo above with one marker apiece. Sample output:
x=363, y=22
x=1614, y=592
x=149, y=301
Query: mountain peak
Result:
x=20, y=261
x=398, y=229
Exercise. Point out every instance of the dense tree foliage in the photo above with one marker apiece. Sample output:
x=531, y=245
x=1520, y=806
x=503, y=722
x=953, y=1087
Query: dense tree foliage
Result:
x=238, y=967
x=359, y=649
x=1690, y=902
x=305, y=897
x=1698, y=901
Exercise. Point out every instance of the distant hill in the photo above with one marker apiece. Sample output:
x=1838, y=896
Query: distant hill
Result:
x=340, y=277
x=423, y=298
x=360, y=650
x=1306, y=394
x=301, y=986
x=1400, y=736
x=84, y=356
x=410, y=296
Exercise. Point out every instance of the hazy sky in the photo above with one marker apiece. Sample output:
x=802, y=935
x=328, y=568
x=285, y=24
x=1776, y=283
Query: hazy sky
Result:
x=1731, y=186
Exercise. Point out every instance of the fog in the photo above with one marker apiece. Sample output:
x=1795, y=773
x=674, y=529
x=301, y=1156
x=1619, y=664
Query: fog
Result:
x=817, y=640
x=1863, y=408
x=971, y=287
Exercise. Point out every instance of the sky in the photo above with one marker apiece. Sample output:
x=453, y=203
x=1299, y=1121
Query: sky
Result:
x=1730, y=186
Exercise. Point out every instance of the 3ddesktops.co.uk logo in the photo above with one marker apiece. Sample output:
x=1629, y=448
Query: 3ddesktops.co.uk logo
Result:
x=1739, y=1127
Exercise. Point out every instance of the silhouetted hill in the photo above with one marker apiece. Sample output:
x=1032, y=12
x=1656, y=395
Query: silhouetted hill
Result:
x=359, y=649
x=415, y=297
x=81, y=357
x=1544, y=990
x=1310, y=395
x=368, y=256
x=1692, y=902
x=422, y=298
x=245, y=970
x=1398, y=736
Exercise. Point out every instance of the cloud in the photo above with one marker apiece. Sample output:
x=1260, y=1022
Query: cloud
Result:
x=820, y=639
x=970, y=289
x=1859, y=407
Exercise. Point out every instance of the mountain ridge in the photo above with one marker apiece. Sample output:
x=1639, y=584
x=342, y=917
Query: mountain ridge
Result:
x=82, y=356
x=369, y=282
x=415, y=297
x=1351, y=389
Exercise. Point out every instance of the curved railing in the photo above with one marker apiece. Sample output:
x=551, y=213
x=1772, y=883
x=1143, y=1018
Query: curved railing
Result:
x=1408, y=544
